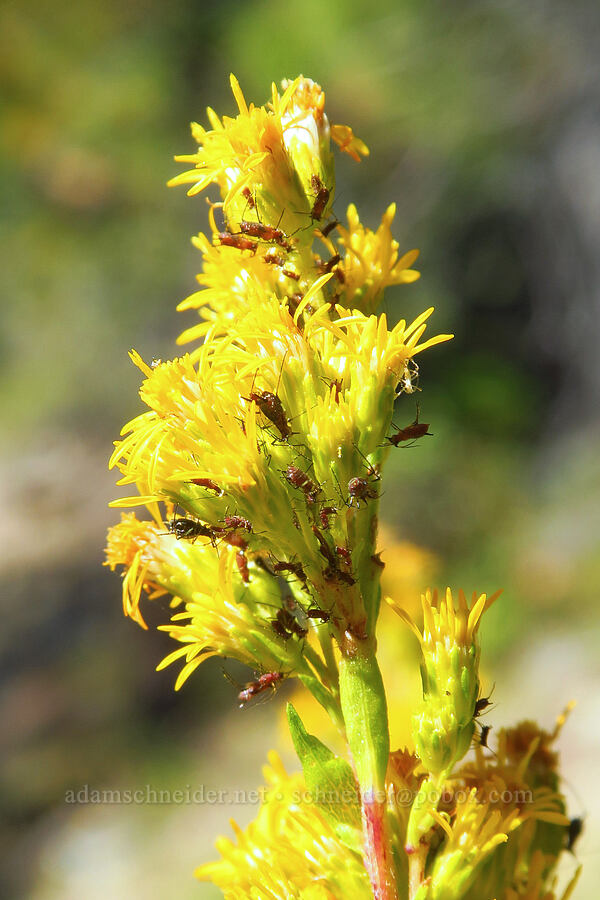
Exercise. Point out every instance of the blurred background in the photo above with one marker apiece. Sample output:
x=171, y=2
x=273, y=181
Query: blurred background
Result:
x=483, y=120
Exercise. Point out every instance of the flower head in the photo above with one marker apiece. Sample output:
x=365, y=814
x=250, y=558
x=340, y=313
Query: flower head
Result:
x=290, y=850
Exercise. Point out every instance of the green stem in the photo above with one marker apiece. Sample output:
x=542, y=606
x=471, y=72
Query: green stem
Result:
x=364, y=708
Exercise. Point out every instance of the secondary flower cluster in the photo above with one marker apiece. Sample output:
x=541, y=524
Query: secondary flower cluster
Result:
x=259, y=459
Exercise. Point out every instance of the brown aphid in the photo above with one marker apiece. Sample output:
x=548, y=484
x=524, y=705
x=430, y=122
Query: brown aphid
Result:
x=411, y=432
x=299, y=479
x=313, y=612
x=273, y=258
x=329, y=228
x=481, y=704
x=271, y=407
x=331, y=263
x=238, y=522
x=376, y=558
x=263, y=683
x=247, y=194
x=208, y=484
x=265, y=233
x=295, y=568
x=324, y=549
x=344, y=554
x=360, y=489
x=321, y=198
x=324, y=514
x=285, y=625
x=236, y=240
x=241, y=562
x=483, y=737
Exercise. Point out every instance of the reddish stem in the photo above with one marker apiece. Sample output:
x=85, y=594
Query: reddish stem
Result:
x=377, y=850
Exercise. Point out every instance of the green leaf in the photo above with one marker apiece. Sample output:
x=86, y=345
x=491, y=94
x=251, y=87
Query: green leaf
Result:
x=329, y=778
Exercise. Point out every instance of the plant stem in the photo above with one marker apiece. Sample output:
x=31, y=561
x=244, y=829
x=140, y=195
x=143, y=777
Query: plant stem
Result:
x=365, y=713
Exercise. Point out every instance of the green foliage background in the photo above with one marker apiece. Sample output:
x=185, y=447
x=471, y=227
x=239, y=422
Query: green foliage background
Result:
x=483, y=120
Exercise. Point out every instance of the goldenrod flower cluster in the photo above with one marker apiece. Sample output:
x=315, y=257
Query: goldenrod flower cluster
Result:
x=260, y=461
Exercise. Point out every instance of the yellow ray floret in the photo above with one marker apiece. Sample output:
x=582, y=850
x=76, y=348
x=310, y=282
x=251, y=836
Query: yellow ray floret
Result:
x=371, y=261
x=289, y=850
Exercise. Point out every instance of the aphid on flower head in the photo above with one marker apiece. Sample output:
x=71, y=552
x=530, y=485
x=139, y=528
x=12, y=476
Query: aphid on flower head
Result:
x=241, y=562
x=324, y=514
x=360, y=489
x=285, y=625
x=238, y=522
x=263, y=683
x=410, y=432
x=235, y=240
x=324, y=549
x=248, y=196
x=329, y=228
x=271, y=407
x=299, y=479
x=266, y=233
x=331, y=263
x=208, y=484
x=275, y=259
x=483, y=737
x=295, y=568
x=313, y=612
x=321, y=198
x=481, y=704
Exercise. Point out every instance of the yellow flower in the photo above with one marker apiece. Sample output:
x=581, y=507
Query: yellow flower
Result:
x=272, y=164
x=218, y=611
x=371, y=261
x=443, y=727
x=290, y=850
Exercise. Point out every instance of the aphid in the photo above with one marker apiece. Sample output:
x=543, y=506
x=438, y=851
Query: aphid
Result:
x=483, y=737
x=189, y=529
x=295, y=568
x=324, y=548
x=236, y=240
x=265, y=233
x=242, y=564
x=360, y=489
x=345, y=554
x=313, y=612
x=263, y=683
x=250, y=201
x=208, y=484
x=324, y=514
x=411, y=432
x=574, y=829
x=286, y=625
x=272, y=408
x=321, y=198
x=299, y=479
x=329, y=228
x=331, y=263
x=376, y=558
x=238, y=522
x=273, y=258
x=481, y=704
